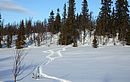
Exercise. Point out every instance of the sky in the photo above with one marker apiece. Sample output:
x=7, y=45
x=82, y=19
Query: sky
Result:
x=15, y=10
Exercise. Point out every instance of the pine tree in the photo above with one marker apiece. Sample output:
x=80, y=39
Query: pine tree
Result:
x=20, y=36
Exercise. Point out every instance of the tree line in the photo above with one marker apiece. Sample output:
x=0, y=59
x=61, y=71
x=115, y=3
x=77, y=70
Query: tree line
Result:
x=112, y=22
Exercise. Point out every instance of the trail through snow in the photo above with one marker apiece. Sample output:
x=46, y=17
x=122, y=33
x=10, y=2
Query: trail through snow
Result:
x=50, y=59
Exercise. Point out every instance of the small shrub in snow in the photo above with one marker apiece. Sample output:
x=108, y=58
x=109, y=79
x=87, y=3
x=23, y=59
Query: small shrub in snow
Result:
x=95, y=44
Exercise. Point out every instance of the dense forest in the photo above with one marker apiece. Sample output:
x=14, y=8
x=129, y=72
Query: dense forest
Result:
x=112, y=22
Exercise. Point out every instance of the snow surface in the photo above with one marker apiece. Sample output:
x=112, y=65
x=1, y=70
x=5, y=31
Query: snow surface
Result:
x=68, y=64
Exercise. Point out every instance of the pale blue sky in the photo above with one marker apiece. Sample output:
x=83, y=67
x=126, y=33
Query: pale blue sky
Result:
x=16, y=10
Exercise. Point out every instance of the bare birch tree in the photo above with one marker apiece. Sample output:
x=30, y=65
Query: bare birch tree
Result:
x=18, y=67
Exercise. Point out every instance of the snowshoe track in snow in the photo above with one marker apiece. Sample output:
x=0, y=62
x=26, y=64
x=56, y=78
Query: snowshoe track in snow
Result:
x=50, y=58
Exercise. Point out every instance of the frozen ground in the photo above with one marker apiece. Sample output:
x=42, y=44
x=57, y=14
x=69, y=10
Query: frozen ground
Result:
x=68, y=64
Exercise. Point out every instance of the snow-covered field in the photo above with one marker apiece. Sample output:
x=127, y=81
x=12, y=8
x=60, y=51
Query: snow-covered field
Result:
x=68, y=64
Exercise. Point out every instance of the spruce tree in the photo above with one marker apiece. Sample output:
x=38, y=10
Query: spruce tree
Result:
x=20, y=36
x=127, y=21
x=57, y=22
x=46, y=29
x=113, y=29
x=91, y=24
x=8, y=41
x=72, y=32
x=39, y=28
x=64, y=14
x=113, y=23
x=51, y=22
x=78, y=23
x=1, y=31
x=85, y=19
x=122, y=17
x=63, y=32
x=85, y=10
x=95, y=43
x=103, y=26
x=9, y=35
x=105, y=16
x=38, y=40
x=28, y=28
